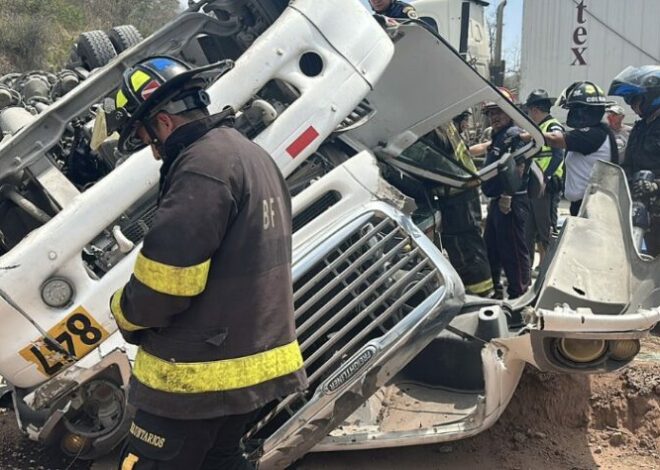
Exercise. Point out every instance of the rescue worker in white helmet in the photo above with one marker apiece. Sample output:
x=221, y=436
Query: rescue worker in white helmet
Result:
x=640, y=88
x=209, y=302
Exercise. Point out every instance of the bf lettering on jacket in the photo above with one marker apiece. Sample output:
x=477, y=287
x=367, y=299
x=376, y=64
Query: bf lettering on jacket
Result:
x=271, y=211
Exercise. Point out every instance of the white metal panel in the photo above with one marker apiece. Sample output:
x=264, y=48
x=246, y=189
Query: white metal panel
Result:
x=447, y=15
x=55, y=248
x=619, y=34
x=352, y=64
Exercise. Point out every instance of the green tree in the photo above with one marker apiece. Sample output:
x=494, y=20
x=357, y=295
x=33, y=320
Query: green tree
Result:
x=38, y=34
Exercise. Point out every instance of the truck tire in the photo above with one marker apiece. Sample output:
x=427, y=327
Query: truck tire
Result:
x=124, y=37
x=95, y=49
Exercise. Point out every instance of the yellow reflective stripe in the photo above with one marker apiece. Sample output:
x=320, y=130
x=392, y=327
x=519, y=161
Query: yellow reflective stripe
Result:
x=120, y=99
x=480, y=287
x=129, y=462
x=216, y=376
x=138, y=79
x=460, y=149
x=118, y=313
x=173, y=280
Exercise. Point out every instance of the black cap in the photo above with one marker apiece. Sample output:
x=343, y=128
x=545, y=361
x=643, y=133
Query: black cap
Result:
x=537, y=96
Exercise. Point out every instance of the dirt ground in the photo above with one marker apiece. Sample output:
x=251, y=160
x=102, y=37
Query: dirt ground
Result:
x=607, y=422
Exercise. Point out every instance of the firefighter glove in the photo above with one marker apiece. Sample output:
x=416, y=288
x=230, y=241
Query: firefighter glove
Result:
x=642, y=189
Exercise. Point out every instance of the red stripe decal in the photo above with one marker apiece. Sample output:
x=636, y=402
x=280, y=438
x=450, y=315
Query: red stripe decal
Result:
x=302, y=142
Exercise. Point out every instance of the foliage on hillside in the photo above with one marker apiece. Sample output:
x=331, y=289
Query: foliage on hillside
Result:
x=38, y=34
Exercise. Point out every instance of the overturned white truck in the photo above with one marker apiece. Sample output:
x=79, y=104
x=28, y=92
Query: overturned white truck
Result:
x=397, y=354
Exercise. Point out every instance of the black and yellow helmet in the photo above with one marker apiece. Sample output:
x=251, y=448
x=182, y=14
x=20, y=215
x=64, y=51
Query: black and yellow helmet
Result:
x=583, y=93
x=153, y=85
x=586, y=103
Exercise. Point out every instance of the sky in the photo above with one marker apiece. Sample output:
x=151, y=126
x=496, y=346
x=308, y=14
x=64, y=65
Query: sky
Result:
x=513, y=12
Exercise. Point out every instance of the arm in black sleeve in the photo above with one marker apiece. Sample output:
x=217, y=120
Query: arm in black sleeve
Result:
x=174, y=262
x=585, y=141
x=556, y=160
x=491, y=187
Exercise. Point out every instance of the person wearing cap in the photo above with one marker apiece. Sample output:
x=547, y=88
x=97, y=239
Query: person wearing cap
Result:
x=508, y=210
x=543, y=214
x=615, y=115
x=209, y=303
x=588, y=141
x=394, y=9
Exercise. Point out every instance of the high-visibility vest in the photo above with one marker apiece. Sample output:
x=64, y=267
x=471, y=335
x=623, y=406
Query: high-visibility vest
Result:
x=544, y=157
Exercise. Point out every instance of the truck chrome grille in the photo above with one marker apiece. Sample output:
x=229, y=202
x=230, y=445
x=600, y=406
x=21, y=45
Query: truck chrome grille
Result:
x=355, y=291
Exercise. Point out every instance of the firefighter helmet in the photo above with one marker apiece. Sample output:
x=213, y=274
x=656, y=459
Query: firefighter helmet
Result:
x=586, y=103
x=492, y=104
x=583, y=93
x=153, y=85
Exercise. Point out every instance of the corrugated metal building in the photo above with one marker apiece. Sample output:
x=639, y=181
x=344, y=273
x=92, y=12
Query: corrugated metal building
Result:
x=568, y=40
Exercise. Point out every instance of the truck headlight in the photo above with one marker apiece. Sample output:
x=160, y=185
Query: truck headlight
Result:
x=57, y=292
x=624, y=349
x=582, y=350
x=74, y=444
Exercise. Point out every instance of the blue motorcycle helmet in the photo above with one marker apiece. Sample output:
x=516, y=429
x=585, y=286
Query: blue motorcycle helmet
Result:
x=639, y=86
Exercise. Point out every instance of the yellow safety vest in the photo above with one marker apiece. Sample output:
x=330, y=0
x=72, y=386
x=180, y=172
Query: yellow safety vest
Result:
x=544, y=157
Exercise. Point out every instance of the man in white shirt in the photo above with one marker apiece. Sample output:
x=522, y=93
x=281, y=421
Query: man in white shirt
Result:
x=615, y=115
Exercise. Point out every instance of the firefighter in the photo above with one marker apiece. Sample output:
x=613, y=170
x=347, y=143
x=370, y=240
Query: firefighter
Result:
x=543, y=210
x=508, y=209
x=460, y=209
x=589, y=140
x=209, y=302
x=394, y=9
x=460, y=212
x=640, y=88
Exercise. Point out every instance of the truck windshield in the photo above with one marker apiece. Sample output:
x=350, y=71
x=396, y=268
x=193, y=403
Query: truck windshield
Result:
x=427, y=155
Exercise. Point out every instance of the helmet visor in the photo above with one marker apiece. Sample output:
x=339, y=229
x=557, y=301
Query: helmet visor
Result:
x=628, y=83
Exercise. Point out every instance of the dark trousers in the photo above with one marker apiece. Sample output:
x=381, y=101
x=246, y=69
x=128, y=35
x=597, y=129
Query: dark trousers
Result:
x=506, y=245
x=652, y=237
x=555, y=198
x=575, y=207
x=538, y=226
x=461, y=237
x=157, y=443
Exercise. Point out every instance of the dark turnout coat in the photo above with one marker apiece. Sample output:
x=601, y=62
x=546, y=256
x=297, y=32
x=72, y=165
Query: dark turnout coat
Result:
x=210, y=299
